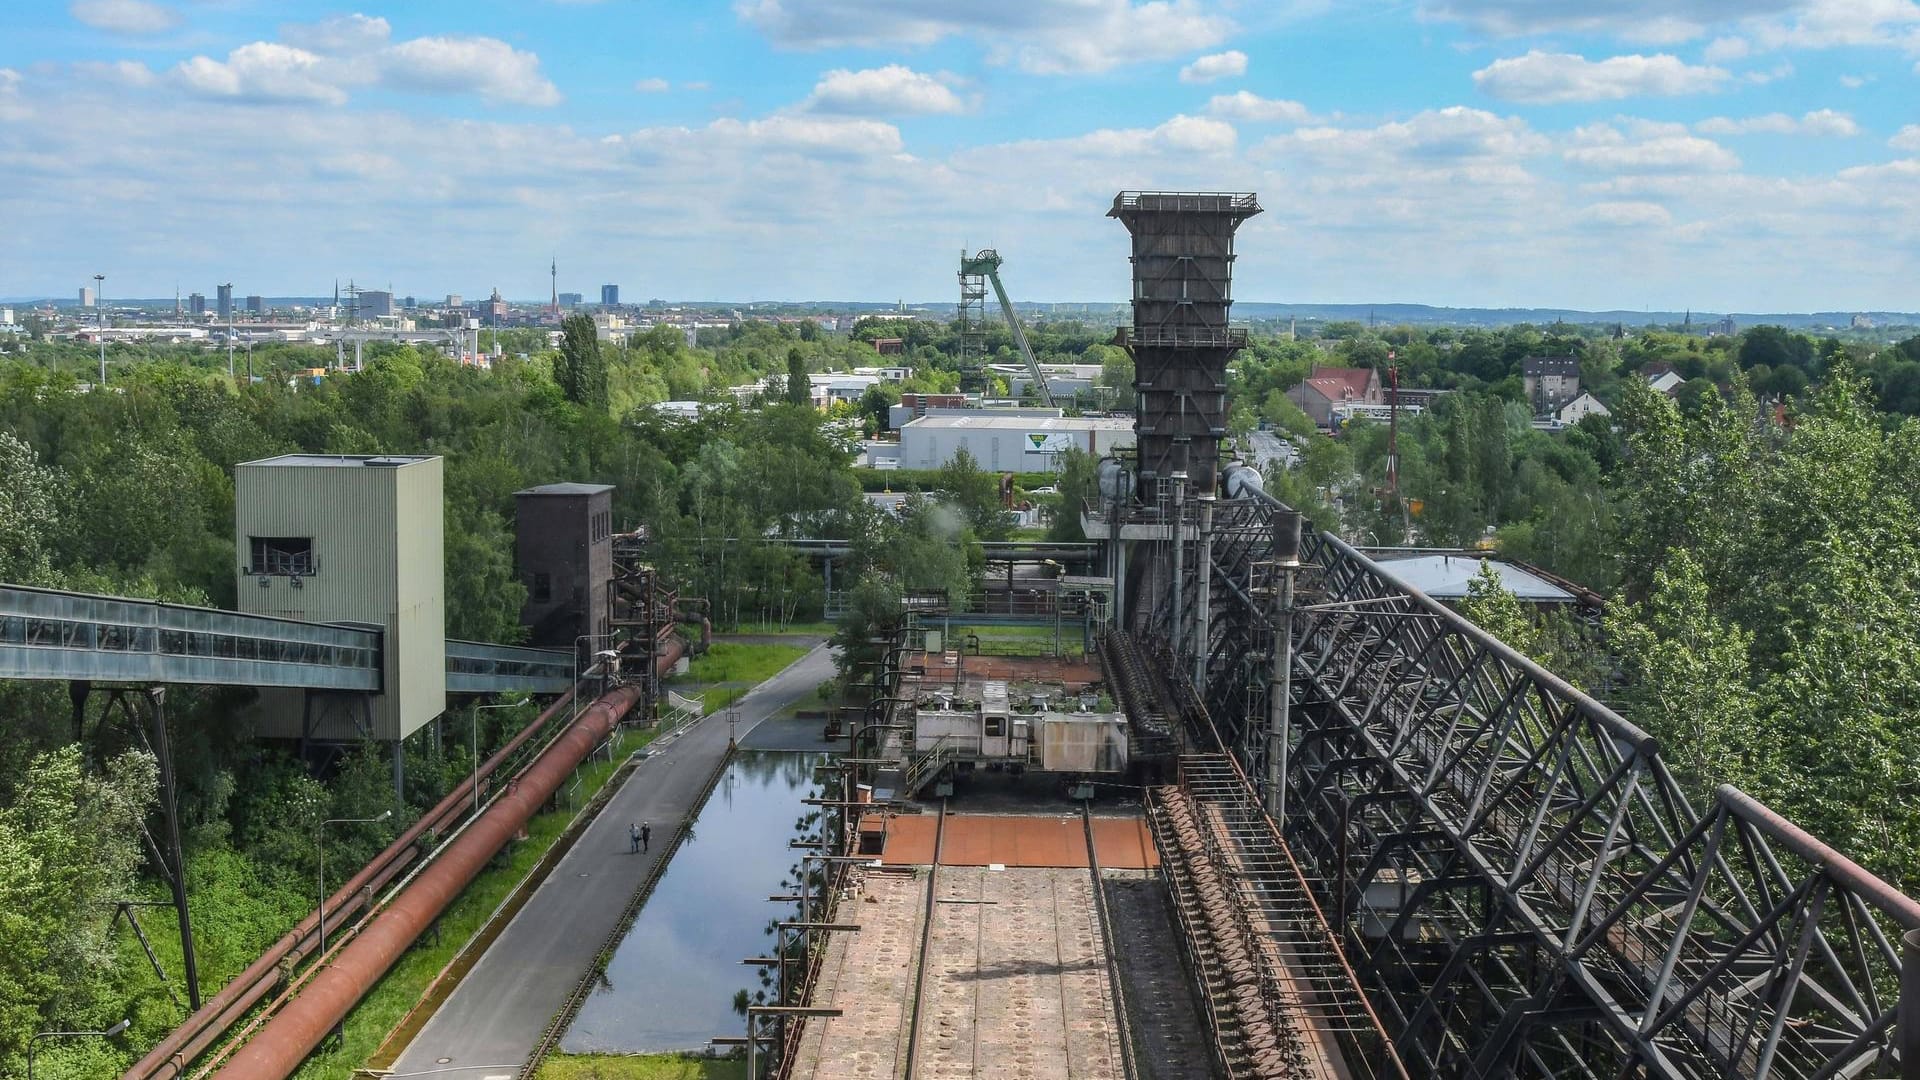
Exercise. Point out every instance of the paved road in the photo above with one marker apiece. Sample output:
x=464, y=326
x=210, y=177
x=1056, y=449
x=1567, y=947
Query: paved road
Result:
x=489, y=1025
x=1269, y=447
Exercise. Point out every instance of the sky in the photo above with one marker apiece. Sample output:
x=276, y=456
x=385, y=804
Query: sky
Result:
x=1722, y=155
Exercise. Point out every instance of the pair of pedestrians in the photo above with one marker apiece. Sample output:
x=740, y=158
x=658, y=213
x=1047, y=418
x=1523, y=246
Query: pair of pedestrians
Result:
x=639, y=837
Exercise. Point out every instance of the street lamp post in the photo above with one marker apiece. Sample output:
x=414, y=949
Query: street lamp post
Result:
x=100, y=307
x=107, y=1034
x=476, y=747
x=319, y=843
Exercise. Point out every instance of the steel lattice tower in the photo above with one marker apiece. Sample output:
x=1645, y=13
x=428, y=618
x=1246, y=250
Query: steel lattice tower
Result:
x=1180, y=340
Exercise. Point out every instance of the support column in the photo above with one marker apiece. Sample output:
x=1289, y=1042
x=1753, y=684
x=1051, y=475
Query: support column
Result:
x=1177, y=622
x=1906, y=1022
x=1203, y=598
x=170, y=812
x=1286, y=558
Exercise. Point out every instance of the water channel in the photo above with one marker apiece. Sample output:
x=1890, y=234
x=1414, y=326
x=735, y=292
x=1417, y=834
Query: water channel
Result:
x=671, y=983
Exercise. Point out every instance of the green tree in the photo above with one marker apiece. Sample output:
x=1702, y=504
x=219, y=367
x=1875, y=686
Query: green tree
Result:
x=68, y=850
x=1490, y=606
x=975, y=493
x=579, y=368
x=799, y=388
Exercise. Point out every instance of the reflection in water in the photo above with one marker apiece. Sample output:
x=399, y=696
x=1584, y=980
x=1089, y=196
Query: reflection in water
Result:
x=671, y=983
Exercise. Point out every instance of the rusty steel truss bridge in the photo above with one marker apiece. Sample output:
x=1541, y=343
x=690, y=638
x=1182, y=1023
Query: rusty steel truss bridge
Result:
x=1490, y=872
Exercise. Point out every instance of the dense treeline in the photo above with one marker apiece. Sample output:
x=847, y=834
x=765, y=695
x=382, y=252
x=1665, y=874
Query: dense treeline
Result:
x=128, y=490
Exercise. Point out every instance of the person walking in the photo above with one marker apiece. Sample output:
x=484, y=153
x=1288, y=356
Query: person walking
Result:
x=646, y=836
x=633, y=838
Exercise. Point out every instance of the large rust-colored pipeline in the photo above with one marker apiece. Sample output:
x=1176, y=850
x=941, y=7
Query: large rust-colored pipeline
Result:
x=219, y=1013
x=279, y=1048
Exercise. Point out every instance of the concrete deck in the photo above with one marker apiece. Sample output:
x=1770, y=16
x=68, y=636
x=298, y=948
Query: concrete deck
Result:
x=1016, y=984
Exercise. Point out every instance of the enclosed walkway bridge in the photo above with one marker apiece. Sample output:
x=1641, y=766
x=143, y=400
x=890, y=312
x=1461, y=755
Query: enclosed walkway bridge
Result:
x=48, y=634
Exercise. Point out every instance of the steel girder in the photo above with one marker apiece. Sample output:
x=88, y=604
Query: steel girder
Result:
x=1525, y=889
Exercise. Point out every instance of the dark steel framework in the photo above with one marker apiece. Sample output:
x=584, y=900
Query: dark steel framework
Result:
x=1180, y=341
x=1520, y=884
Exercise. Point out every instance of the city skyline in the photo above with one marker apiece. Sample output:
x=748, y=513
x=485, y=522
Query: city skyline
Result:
x=1468, y=153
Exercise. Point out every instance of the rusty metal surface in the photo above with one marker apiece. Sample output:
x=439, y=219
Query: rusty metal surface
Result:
x=1020, y=840
x=285, y=1041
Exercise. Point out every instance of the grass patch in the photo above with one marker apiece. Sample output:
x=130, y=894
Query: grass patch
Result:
x=368, y=1024
x=741, y=665
x=792, y=629
x=640, y=1067
x=1020, y=640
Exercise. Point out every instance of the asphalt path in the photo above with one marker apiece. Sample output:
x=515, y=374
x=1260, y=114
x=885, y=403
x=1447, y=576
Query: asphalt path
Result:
x=488, y=1027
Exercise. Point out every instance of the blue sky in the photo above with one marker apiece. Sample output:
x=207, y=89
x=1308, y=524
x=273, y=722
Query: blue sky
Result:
x=1715, y=154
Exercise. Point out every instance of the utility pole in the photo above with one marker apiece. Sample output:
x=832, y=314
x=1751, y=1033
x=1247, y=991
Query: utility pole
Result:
x=100, y=305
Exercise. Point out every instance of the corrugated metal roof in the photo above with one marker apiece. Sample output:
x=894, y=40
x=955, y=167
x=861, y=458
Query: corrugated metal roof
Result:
x=1445, y=577
x=343, y=461
x=566, y=489
x=1024, y=423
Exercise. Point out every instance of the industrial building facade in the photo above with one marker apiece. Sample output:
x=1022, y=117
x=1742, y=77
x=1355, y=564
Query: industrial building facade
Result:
x=349, y=539
x=1009, y=443
x=564, y=551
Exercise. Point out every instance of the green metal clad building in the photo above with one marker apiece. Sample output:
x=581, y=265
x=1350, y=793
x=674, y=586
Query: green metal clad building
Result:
x=349, y=539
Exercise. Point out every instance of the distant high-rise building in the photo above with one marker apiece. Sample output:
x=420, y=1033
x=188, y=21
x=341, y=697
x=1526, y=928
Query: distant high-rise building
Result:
x=609, y=296
x=570, y=299
x=86, y=296
x=6, y=316
x=375, y=304
x=496, y=308
x=409, y=303
x=256, y=305
x=223, y=301
x=197, y=303
x=454, y=299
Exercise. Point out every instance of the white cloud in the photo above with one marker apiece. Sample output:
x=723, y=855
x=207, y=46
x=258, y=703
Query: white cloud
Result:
x=1647, y=148
x=1048, y=37
x=339, y=34
x=489, y=67
x=885, y=91
x=654, y=85
x=1721, y=50
x=1627, y=215
x=116, y=72
x=1229, y=64
x=1543, y=78
x=1439, y=142
x=700, y=85
x=1818, y=122
x=1907, y=138
x=1826, y=24
x=261, y=72
x=1657, y=22
x=1855, y=82
x=133, y=17
x=1245, y=105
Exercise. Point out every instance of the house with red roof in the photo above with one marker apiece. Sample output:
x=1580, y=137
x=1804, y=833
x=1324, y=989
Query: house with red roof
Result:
x=1327, y=388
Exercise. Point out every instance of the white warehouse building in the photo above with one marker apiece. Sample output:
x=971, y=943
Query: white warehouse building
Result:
x=1009, y=443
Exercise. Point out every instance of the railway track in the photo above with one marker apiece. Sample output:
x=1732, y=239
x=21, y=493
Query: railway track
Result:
x=916, y=1019
x=1122, y=1032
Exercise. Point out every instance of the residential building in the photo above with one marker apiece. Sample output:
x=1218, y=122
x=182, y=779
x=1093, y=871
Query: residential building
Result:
x=1662, y=378
x=197, y=304
x=87, y=299
x=1009, y=443
x=1580, y=408
x=1327, y=388
x=609, y=296
x=570, y=299
x=223, y=301
x=256, y=305
x=1549, y=382
x=455, y=300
